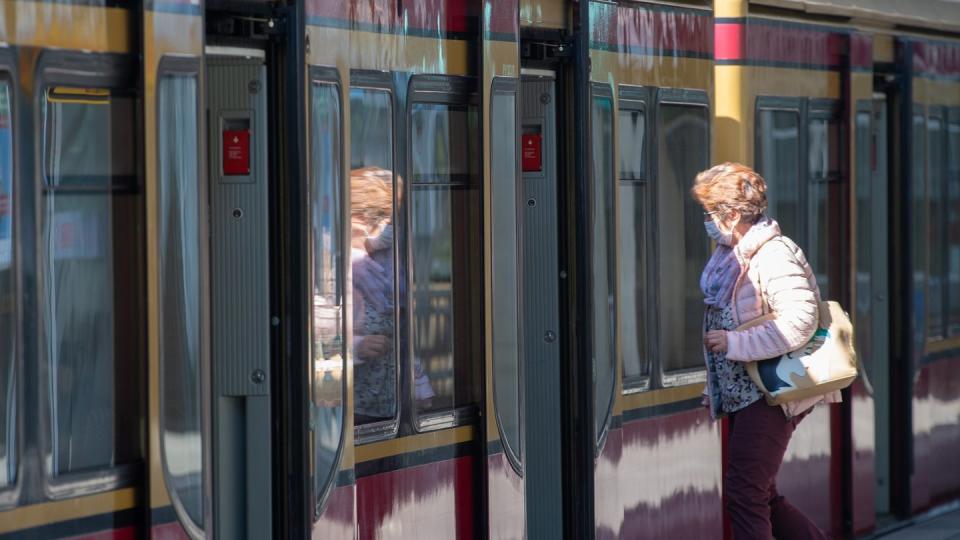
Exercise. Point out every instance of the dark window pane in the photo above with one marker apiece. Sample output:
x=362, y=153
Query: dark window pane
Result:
x=603, y=256
x=90, y=282
x=953, y=227
x=864, y=236
x=326, y=217
x=935, y=239
x=683, y=147
x=8, y=330
x=373, y=253
x=443, y=153
x=445, y=240
x=72, y=160
x=635, y=286
x=505, y=292
x=919, y=218
x=371, y=133
x=779, y=156
x=823, y=221
x=632, y=131
x=178, y=192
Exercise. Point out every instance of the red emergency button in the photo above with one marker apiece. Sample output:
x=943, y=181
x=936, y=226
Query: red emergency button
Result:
x=236, y=152
x=531, y=155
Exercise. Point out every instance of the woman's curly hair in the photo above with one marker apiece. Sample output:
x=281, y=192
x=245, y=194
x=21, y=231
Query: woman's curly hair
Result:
x=731, y=186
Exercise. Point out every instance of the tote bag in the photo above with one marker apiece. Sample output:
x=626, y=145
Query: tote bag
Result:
x=826, y=363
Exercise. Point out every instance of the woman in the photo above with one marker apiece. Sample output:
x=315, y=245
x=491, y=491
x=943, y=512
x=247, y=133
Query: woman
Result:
x=753, y=271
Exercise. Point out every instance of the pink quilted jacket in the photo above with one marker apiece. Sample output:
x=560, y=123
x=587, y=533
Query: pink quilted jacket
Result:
x=775, y=277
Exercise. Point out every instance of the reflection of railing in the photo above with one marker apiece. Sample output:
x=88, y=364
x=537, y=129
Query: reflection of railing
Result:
x=434, y=336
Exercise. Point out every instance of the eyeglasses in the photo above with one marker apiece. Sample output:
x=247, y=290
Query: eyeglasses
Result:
x=709, y=215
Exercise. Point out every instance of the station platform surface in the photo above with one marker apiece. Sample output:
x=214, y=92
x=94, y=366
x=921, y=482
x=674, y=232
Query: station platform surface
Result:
x=943, y=524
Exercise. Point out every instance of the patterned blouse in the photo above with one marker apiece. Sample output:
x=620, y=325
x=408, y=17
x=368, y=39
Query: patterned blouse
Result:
x=731, y=385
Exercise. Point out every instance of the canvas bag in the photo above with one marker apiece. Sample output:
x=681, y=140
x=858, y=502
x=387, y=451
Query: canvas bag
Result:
x=826, y=363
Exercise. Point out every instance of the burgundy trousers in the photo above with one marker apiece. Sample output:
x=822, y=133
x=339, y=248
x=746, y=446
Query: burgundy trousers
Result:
x=757, y=441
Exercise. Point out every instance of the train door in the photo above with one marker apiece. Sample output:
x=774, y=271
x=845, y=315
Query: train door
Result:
x=872, y=284
x=240, y=291
x=540, y=311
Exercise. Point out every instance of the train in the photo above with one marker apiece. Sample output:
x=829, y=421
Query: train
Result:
x=429, y=268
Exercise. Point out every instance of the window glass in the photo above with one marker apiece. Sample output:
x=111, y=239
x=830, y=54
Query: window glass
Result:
x=635, y=216
x=864, y=235
x=445, y=239
x=632, y=130
x=603, y=257
x=919, y=218
x=178, y=192
x=936, y=270
x=953, y=227
x=505, y=261
x=373, y=254
x=779, y=158
x=443, y=154
x=823, y=220
x=326, y=217
x=90, y=267
x=8, y=374
x=683, y=148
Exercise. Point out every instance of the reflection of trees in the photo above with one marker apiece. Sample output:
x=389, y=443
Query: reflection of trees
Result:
x=435, y=337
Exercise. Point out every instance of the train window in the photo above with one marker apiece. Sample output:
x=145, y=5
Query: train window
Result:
x=90, y=272
x=918, y=202
x=864, y=141
x=636, y=213
x=936, y=269
x=446, y=267
x=8, y=373
x=179, y=192
x=778, y=152
x=823, y=154
x=953, y=225
x=683, y=150
x=603, y=254
x=505, y=290
x=372, y=214
x=326, y=218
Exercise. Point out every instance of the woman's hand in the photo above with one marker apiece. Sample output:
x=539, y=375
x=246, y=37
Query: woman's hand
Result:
x=716, y=341
x=371, y=347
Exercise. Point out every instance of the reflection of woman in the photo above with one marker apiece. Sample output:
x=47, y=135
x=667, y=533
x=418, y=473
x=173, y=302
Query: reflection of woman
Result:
x=375, y=371
x=372, y=255
x=755, y=270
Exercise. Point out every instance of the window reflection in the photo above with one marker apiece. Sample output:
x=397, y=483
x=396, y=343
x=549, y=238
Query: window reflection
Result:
x=505, y=317
x=8, y=386
x=683, y=147
x=326, y=216
x=953, y=228
x=373, y=256
x=445, y=238
x=636, y=211
x=935, y=215
x=90, y=282
x=179, y=233
x=603, y=255
x=779, y=157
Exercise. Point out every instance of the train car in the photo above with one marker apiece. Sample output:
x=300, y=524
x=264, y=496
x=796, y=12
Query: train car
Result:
x=429, y=268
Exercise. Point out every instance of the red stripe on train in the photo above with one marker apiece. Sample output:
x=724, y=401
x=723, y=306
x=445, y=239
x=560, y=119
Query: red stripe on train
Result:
x=126, y=533
x=655, y=30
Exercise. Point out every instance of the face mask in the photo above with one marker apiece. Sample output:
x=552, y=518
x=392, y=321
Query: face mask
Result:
x=718, y=236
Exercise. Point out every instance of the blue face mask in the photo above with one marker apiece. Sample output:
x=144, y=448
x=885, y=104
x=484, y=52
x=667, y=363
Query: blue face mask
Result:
x=718, y=236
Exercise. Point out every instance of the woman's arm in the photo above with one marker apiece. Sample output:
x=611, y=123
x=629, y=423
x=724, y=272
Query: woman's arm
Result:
x=786, y=281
